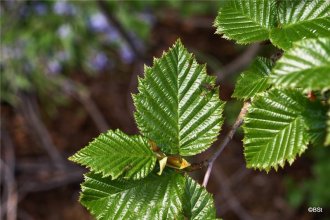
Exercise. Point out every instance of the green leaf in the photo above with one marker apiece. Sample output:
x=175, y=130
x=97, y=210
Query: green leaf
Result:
x=253, y=80
x=275, y=130
x=246, y=21
x=178, y=106
x=315, y=116
x=301, y=20
x=154, y=197
x=169, y=196
x=117, y=154
x=327, y=138
x=198, y=203
x=306, y=65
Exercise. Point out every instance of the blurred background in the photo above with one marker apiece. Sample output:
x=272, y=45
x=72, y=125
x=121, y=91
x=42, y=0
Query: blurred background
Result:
x=68, y=69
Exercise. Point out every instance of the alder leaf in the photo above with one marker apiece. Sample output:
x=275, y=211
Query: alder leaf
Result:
x=301, y=20
x=117, y=154
x=315, y=116
x=306, y=65
x=327, y=138
x=246, y=21
x=198, y=203
x=253, y=80
x=275, y=129
x=169, y=196
x=178, y=105
x=154, y=197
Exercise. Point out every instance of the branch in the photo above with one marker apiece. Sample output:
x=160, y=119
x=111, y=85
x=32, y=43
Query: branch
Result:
x=239, y=63
x=57, y=180
x=233, y=202
x=78, y=92
x=106, y=10
x=225, y=141
x=9, y=186
x=30, y=111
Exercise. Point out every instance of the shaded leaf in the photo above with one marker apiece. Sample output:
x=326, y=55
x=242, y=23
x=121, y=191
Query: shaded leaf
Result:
x=117, y=154
x=253, y=80
x=178, y=106
x=315, y=116
x=327, y=137
x=169, y=196
x=327, y=140
x=306, y=65
x=246, y=21
x=154, y=197
x=275, y=130
x=198, y=203
x=301, y=20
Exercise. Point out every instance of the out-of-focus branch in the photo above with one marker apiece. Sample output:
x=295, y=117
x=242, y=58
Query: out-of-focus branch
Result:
x=30, y=111
x=83, y=96
x=239, y=175
x=233, y=202
x=225, y=141
x=106, y=10
x=239, y=63
x=7, y=148
x=9, y=186
x=38, y=175
x=8, y=172
x=57, y=180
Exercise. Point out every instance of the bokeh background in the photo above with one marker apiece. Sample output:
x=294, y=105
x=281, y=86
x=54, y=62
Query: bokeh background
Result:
x=68, y=69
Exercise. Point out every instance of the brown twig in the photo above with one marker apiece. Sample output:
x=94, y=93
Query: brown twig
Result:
x=225, y=141
x=239, y=63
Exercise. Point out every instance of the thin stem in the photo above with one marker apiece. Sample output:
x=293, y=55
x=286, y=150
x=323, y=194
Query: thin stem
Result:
x=225, y=141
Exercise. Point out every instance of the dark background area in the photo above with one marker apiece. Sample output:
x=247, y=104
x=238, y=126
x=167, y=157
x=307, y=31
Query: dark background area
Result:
x=68, y=69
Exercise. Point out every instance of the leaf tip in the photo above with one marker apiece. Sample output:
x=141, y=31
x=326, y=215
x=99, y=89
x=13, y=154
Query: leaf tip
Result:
x=72, y=158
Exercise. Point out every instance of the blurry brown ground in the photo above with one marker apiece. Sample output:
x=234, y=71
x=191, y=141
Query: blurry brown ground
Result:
x=45, y=192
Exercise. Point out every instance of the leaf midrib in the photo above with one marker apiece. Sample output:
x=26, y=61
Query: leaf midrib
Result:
x=289, y=25
x=256, y=158
x=301, y=71
x=131, y=186
x=239, y=11
x=177, y=99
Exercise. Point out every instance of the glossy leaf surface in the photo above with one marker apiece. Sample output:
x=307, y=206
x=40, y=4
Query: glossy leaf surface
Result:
x=169, y=196
x=275, y=130
x=178, y=105
x=246, y=21
x=301, y=20
x=118, y=154
x=306, y=65
x=253, y=80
